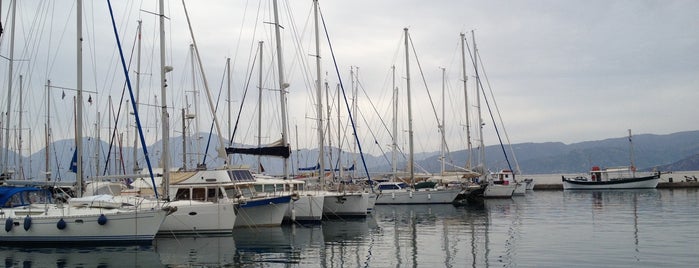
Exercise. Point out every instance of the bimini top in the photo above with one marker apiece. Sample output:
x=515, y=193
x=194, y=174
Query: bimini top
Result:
x=21, y=196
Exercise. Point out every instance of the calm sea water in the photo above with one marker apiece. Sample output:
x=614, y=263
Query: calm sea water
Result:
x=633, y=228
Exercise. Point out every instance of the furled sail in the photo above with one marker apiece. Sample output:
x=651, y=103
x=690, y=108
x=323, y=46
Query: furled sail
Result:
x=274, y=149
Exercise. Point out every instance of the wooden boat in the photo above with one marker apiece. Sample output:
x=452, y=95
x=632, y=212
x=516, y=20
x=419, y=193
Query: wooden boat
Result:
x=611, y=178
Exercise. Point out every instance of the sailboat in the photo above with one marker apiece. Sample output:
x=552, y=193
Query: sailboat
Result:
x=31, y=215
x=612, y=177
x=395, y=192
x=200, y=208
x=500, y=184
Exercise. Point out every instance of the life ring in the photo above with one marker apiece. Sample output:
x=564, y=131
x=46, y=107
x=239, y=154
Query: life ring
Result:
x=8, y=224
x=27, y=223
x=102, y=220
x=61, y=224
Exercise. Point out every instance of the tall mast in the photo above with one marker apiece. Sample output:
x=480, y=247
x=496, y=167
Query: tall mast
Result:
x=468, y=119
x=339, y=133
x=410, y=111
x=9, y=91
x=394, y=145
x=97, y=140
x=79, y=102
x=259, y=110
x=330, y=140
x=197, y=112
x=138, y=89
x=165, y=117
x=47, y=153
x=282, y=85
x=228, y=80
x=631, y=158
x=441, y=128
x=19, y=137
x=481, y=150
x=319, y=98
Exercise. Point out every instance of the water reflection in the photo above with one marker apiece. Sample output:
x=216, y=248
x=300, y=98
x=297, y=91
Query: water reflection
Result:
x=194, y=250
x=121, y=256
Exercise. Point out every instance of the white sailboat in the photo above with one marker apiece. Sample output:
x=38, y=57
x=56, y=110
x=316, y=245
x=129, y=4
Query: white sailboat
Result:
x=395, y=192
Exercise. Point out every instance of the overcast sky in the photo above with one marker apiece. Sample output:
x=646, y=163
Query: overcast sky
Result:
x=567, y=71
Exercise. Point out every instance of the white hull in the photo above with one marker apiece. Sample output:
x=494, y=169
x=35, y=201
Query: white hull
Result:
x=529, y=184
x=200, y=217
x=81, y=225
x=407, y=196
x=338, y=204
x=372, y=202
x=262, y=212
x=644, y=184
x=520, y=189
x=308, y=208
x=499, y=190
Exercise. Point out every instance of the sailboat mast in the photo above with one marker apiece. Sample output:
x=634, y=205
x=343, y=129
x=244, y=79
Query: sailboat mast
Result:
x=631, y=158
x=339, y=133
x=165, y=117
x=282, y=85
x=259, y=110
x=394, y=144
x=481, y=150
x=19, y=137
x=79, y=102
x=228, y=85
x=410, y=111
x=443, y=149
x=138, y=89
x=468, y=119
x=47, y=151
x=319, y=97
x=9, y=91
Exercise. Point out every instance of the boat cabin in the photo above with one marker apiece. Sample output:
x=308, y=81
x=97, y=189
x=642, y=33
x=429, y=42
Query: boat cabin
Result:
x=11, y=197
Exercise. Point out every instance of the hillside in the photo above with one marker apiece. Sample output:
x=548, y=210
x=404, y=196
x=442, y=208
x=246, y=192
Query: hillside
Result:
x=671, y=152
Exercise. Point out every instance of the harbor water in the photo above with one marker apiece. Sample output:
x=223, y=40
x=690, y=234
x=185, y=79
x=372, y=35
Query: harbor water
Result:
x=621, y=228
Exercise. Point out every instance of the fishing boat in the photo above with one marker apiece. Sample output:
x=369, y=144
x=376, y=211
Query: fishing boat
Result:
x=613, y=177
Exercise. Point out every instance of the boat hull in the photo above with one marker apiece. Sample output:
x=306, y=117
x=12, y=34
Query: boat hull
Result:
x=407, y=196
x=200, y=218
x=82, y=226
x=499, y=190
x=340, y=205
x=647, y=182
x=520, y=189
x=308, y=209
x=262, y=212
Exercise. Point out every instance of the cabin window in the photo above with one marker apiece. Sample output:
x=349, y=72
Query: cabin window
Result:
x=182, y=194
x=211, y=194
x=199, y=194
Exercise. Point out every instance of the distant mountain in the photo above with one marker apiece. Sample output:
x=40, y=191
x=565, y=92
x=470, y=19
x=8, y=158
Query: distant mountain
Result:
x=671, y=152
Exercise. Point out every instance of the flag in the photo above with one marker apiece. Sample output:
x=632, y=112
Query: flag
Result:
x=89, y=99
x=262, y=168
x=63, y=96
x=74, y=162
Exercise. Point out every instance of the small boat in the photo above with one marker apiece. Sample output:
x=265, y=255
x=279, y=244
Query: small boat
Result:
x=611, y=178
